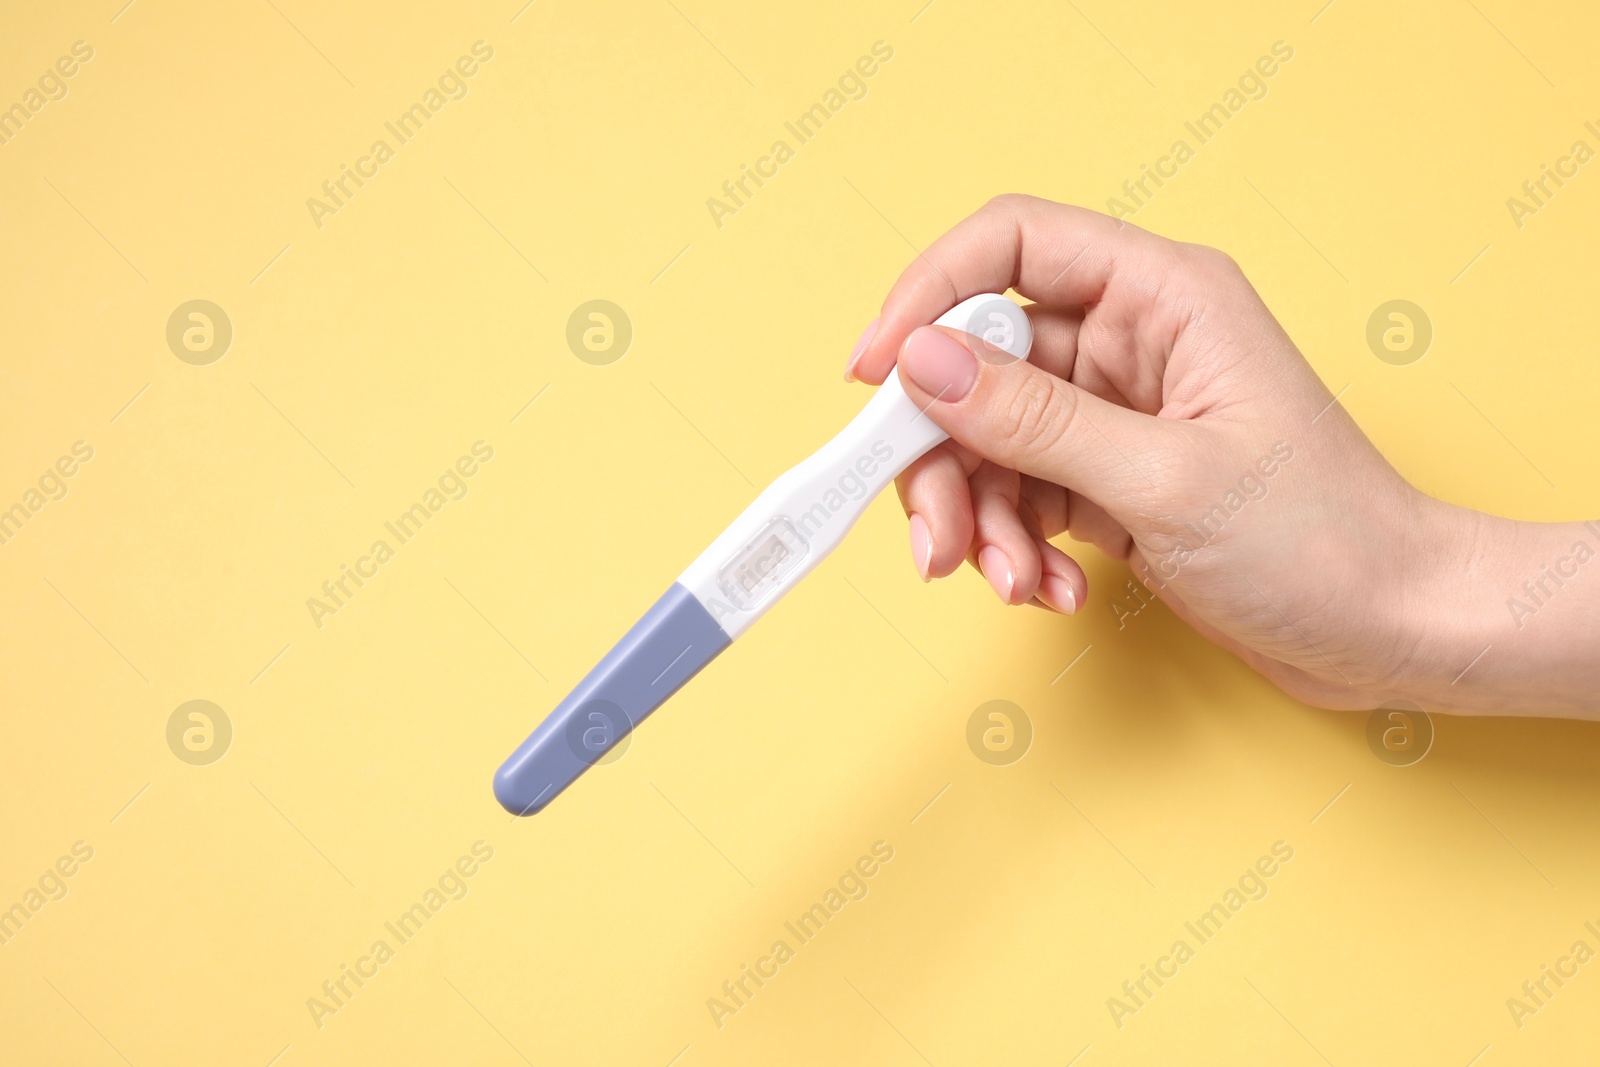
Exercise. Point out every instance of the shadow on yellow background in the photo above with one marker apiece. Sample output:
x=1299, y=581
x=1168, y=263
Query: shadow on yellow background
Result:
x=371, y=318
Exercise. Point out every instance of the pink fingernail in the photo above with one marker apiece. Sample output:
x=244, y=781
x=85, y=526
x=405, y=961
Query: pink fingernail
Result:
x=861, y=346
x=921, y=545
x=996, y=567
x=1058, y=593
x=938, y=365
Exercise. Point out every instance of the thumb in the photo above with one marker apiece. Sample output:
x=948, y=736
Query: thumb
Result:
x=1018, y=416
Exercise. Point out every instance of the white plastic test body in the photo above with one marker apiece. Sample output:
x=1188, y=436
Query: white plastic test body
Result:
x=806, y=512
x=777, y=541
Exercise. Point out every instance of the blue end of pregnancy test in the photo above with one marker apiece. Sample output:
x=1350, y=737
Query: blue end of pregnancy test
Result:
x=665, y=648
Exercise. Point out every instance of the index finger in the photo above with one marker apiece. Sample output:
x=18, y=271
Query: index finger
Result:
x=1053, y=254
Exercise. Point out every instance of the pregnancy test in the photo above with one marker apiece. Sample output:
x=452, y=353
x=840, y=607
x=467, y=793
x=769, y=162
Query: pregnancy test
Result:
x=787, y=531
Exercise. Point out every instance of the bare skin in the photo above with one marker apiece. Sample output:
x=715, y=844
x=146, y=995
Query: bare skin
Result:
x=1165, y=417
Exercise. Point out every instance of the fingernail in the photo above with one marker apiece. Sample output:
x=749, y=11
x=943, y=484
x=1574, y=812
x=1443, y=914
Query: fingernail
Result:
x=861, y=346
x=1057, y=592
x=921, y=545
x=938, y=365
x=997, y=568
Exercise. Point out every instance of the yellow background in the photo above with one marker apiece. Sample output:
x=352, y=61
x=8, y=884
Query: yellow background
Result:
x=416, y=321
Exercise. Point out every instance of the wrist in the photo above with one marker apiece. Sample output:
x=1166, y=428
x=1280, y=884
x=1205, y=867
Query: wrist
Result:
x=1501, y=615
x=1455, y=557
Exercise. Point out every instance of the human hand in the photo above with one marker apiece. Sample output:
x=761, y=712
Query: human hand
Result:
x=1166, y=418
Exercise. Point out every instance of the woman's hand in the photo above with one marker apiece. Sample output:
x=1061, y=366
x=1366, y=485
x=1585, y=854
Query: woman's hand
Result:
x=1165, y=417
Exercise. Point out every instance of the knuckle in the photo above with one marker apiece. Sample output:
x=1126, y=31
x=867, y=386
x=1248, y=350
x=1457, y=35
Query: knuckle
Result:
x=1036, y=415
x=1011, y=203
x=1213, y=261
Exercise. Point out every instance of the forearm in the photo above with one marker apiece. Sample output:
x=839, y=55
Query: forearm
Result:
x=1508, y=618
